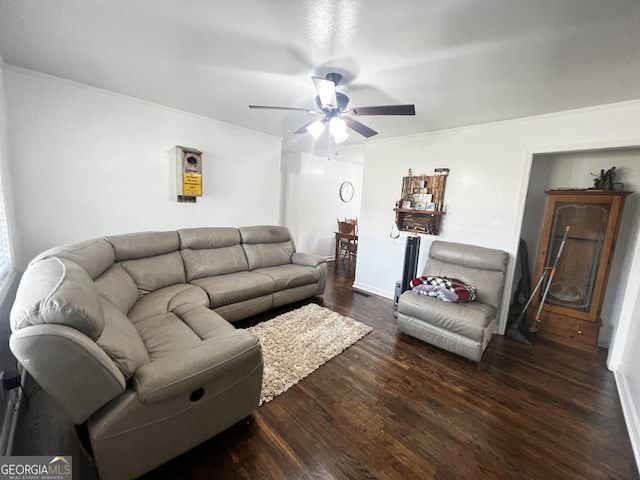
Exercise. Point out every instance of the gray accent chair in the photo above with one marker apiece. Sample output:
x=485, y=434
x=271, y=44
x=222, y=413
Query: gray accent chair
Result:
x=132, y=334
x=462, y=328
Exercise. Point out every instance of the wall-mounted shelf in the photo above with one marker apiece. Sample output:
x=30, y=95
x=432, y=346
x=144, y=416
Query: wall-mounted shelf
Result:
x=421, y=205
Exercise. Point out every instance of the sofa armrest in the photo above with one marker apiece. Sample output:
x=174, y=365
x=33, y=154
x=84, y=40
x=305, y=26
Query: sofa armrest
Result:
x=69, y=366
x=307, y=259
x=217, y=362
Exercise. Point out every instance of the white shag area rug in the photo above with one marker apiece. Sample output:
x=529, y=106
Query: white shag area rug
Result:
x=296, y=343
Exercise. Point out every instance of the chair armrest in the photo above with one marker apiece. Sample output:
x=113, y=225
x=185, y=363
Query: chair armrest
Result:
x=217, y=362
x=307, y=259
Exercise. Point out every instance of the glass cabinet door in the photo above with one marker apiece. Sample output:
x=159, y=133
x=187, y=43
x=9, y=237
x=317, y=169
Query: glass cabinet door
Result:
x=577, y=269
x=579, y=283
x=570, y=313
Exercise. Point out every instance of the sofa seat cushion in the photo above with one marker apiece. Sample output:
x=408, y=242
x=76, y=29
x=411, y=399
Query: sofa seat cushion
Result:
x=289, y=276
x=467, y=319
x=183, y=329
x=167, y=299
x=214, y=366
x=235, y=287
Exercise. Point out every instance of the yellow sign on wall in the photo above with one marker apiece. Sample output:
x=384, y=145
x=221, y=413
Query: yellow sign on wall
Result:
x=192, y=183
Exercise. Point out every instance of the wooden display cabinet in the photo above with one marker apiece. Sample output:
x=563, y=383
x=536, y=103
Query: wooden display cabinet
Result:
x=571, y=311
x=417, y=214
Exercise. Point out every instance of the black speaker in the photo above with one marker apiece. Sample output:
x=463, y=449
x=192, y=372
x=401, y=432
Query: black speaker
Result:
x=411, y=253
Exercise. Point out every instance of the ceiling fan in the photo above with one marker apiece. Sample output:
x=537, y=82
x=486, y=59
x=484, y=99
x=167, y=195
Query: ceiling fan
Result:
x=333, y=109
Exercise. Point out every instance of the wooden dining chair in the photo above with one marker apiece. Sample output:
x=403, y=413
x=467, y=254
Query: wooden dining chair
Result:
x=347, y=242
x=353, y=221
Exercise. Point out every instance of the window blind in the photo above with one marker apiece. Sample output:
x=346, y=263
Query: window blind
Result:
x=5, y=255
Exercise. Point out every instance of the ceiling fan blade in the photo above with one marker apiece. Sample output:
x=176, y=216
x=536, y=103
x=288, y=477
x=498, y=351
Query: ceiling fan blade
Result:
x=361, y=128
x=326, y=91
x=385, y=110
x=267, y=107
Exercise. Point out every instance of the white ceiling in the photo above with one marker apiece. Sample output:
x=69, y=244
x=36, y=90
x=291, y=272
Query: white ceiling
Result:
x=461, y=62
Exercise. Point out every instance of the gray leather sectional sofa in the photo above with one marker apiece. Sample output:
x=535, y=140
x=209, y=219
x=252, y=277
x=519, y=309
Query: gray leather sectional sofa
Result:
x=132, y=333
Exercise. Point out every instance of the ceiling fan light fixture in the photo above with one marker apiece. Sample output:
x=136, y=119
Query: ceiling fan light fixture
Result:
x=338, y=128
x=340, y=137
x=316, y=129
x=337, y=125
x=331, y=104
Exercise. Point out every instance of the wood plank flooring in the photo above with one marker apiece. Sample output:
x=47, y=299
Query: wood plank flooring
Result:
x=393, y=407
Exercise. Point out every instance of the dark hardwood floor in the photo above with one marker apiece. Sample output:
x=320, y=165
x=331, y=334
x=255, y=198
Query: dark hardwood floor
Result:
x=393, y=407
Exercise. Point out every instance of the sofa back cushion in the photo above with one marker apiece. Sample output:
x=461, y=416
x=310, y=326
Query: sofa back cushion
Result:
x=480, y=267
x=142, y=245
x=95, y=256
x=208, y=237
x=58, y=291
x=267, y=246
x=211, y=251
x=153, y=273
x=150, y=258
x=121, y=341
x=117, y=286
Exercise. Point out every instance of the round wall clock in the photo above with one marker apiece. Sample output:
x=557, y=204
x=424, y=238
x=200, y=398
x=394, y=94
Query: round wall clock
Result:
x=346, y=192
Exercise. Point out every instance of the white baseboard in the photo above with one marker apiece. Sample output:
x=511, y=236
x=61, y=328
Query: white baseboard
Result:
x=631, y=415
x=369, y=289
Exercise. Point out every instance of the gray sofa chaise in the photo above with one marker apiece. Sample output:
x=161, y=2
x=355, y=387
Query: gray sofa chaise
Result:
x=132, y=333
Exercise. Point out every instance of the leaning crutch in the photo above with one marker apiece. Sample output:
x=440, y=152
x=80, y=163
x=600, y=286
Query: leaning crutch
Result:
x=534, y=326
x=515, y=332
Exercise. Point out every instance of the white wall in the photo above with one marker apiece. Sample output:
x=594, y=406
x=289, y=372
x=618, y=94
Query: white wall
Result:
x=86, y=162
x=485, y=200
x=486, y=164
x=291, y=168
x=624, y=355
x=312, y=202
x=552, y=171
x=485, y=191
